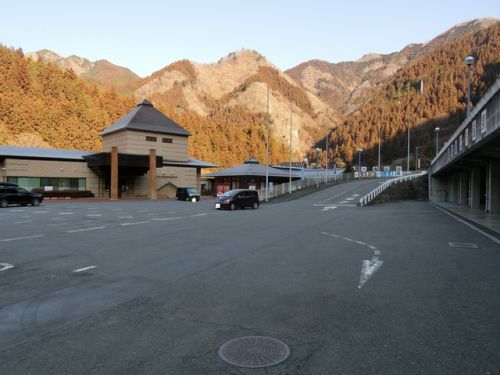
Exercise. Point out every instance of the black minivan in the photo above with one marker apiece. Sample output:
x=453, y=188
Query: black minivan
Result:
x=12, y=194
x=187, y=194
x=239, y=198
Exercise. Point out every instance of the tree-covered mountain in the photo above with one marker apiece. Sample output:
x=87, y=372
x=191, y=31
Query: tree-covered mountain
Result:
x=65, y=102
x=345, y=85
x=398, y=101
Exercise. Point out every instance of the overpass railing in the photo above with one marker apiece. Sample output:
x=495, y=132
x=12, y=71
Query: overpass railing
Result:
x=368, y=198
x=308, y=181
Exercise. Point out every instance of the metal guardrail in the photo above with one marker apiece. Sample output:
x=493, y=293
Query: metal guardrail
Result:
x=368, y=198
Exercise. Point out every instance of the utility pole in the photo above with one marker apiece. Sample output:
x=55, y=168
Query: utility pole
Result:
x=408, y=161
x=267, y=147
x=290, y=157
x=469, y=61
x=326, y=149
x=378, y=166
x=417, y=164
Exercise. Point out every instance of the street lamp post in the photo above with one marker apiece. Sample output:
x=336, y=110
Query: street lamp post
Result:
x=469, y=61
x=408, y=158
x=360, y=150
x=436, y=130
x=290, y=156
x=267, y=147
x=318, y=161
x=378, y=165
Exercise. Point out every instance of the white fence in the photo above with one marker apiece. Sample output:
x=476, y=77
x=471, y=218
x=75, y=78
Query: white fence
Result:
x=368, y=198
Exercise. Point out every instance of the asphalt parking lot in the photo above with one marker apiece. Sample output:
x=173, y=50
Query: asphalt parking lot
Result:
x=156, y=287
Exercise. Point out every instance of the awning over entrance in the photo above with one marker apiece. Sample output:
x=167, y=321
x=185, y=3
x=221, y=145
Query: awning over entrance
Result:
x=129, y=164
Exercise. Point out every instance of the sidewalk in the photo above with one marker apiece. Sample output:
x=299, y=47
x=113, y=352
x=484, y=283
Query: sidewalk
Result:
x=489, y=222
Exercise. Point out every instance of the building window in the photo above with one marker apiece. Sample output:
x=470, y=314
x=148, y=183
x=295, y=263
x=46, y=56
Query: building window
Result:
x=52, y=183
x=483, y=122
x=466, y=138
x=473, y=130
x=150, y=139
x=167, y=140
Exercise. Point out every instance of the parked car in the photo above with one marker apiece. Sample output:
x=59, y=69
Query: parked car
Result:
x=239, y=198
x=12, y=194
x=187, y=194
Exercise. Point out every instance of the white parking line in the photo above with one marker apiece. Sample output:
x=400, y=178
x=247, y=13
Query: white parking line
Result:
x=135, y=223
x=93, y=215
x=22, y=238
x=23, y=222
x=84, y=268
x=166, y=218
x=40, y=212
x=199, y=215
x=5, y=266
x=16, y=210
x=125, y=217
x=84, y=229
x=117, y=209
x=65, y=213
x=57, y=218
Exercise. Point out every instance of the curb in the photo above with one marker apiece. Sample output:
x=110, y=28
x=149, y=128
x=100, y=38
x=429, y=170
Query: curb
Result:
x=485, y=229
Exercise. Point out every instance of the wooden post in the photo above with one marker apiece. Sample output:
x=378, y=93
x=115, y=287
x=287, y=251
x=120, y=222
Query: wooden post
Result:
x=114, y=172
x=152, y=174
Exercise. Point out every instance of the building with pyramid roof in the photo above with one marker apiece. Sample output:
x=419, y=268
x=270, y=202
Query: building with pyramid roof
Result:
x=144, y=153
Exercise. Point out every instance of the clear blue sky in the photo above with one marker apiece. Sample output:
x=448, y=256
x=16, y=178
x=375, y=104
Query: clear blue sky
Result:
x=146, y=35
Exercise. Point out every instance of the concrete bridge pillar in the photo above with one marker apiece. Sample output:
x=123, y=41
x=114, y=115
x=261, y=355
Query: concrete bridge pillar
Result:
x=438, y=188
x=453, y=189
x=475, y=188
x=493, y=188
x=463, y=188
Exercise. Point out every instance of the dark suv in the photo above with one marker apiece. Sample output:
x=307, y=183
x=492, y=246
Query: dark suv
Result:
x=187, y=194
x=239, y=198
x=13, y=194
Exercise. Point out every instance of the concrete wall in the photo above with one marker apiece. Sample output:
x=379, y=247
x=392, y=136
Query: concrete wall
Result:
x=52, y=168
x=134, y=142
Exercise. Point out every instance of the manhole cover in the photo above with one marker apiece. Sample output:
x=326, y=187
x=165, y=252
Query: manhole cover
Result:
x=467, y=245
x=254, y=351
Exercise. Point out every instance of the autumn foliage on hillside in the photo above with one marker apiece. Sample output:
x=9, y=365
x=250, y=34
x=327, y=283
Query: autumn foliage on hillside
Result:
x=41, y=105
x=44, y=106
x=227, y=136
x=272, y=78
x=399, y=103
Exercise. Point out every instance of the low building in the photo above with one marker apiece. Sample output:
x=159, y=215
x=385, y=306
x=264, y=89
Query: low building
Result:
x=144, y=154
x=249, y=175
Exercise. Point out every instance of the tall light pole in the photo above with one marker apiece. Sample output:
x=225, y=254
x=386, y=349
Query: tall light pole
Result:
x=290, y=156
x=436, y=130
x=469, y=60
x=318, y=153
x=267, y=146
x=378, y=165
x=360, y=150
x=408, y=159
x=417, y=162
x=326, y=150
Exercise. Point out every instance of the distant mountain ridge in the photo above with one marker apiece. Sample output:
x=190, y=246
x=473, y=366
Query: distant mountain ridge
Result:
x=344, y=84
x=101, y=72
x=223, y=104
